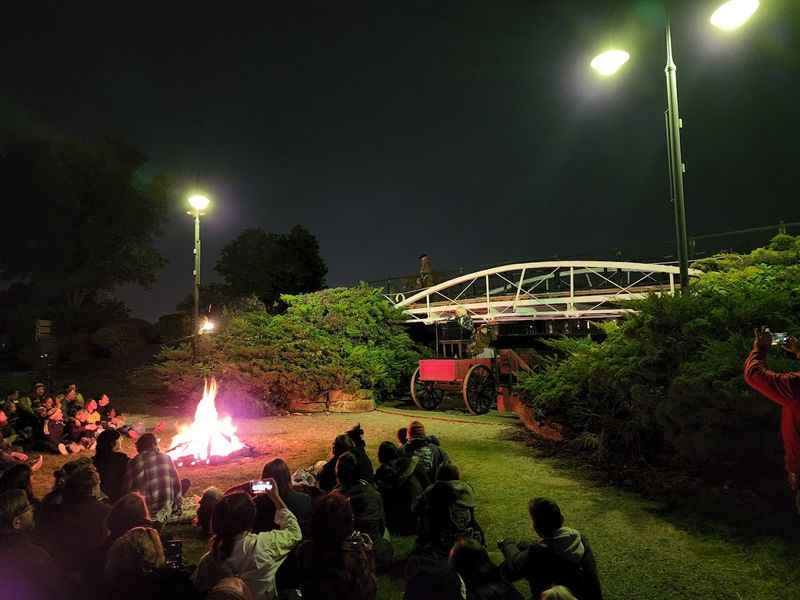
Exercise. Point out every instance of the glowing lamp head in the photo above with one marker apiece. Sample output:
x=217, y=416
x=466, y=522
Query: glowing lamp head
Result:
x=609, y=62
x=206, y=327
x=733, y=14
x=198, y=202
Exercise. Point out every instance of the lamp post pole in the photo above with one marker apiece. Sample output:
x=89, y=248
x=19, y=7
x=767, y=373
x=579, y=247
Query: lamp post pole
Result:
x=675, y=162
x=196, y=313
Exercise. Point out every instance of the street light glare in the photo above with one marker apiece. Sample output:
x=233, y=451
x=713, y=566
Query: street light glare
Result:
x=609, y=62
x=733, y=14
x=198, y=202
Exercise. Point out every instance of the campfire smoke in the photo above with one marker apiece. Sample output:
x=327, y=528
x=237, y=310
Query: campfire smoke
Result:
x=208, y=436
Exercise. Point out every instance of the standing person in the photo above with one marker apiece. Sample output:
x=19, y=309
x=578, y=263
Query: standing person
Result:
x=238, y=552
x=784, y=390
x=110, y=463
x=561, y=557
x=479, y=574
x=154, y=474
x=431, y=456
x=337, y=563
x=26, y=570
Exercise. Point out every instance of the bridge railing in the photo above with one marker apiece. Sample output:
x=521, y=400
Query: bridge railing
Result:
x=540, y=290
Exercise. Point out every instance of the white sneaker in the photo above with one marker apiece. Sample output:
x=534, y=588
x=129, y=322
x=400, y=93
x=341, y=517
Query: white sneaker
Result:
x=62, y=449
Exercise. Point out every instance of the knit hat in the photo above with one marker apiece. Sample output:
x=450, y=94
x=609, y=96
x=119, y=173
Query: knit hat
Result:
x=416, y=430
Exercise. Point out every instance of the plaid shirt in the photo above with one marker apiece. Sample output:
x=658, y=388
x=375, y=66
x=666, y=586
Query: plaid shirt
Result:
x=154, y=475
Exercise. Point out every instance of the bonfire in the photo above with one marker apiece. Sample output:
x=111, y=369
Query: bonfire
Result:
x=209, y=437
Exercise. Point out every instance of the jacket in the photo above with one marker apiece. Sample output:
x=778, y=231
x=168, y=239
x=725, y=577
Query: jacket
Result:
x=784, y=390
x=565, y=559
x=446, y=511
x=430, y=456
x=255, y=558
x=400, y=482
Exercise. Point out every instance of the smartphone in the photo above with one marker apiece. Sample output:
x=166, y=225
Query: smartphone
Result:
x=779, y=339
x=260, y=486
x=173, y=553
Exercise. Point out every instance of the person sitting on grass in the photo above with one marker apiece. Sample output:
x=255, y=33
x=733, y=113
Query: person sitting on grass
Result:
x=430, y=455
x=154, y=474
x=401, y=480
x=136, y=569
x=480, y=575
x=446, y=512
x=11, y=455
x=367, y=507
x=22, y=425
x=327, y=475
x=561, y=557
x=337, y=562
x=128, y=512
x=110, y=463
x=366, y=472
x=237, y=551
x=111, y=419
x=205, y=508
x=19, y=477
x=93, y=416
x=72, y=402
x=27, y=571
x=439, y=583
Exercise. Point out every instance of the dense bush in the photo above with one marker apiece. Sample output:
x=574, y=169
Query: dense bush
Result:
x=336, y=339
x=665, y=386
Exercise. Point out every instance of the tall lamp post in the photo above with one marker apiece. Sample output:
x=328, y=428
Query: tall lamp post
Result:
x=198, y=203
x=727, y=17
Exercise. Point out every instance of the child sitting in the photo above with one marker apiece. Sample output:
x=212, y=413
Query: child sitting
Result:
x=93, y=417
x=80, y=431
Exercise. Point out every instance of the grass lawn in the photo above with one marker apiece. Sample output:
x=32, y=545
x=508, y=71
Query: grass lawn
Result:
x=641, y=552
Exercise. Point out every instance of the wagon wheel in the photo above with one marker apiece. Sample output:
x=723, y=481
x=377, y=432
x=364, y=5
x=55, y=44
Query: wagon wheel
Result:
x=424, y=394
x=479, y=389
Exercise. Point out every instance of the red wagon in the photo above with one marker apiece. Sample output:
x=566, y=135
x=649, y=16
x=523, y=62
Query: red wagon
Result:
x=476, y=379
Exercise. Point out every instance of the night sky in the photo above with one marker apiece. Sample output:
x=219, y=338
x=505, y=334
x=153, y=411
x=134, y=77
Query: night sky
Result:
x=473, y=131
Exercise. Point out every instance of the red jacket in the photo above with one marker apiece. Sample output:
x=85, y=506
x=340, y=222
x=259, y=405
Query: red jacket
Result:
x=783, y=389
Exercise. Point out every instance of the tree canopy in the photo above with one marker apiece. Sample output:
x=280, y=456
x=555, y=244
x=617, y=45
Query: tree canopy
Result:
x=85, y=219
x=271, y=264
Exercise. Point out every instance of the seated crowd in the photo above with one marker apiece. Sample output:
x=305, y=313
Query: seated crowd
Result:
x=104, y=530
x=65, y=423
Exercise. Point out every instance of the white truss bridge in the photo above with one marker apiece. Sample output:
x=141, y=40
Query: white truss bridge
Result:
x=571, y=289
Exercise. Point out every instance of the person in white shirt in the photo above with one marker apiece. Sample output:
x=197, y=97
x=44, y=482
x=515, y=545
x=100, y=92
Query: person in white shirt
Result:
x=238, y=552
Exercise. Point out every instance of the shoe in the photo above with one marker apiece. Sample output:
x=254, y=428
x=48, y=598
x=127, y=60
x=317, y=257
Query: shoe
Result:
x=37, y=464
x=62, y=449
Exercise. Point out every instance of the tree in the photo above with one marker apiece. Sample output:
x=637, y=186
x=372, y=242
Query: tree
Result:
x=270, y=264
x=84, y=220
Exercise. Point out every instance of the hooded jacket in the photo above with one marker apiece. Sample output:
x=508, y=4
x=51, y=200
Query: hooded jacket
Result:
x=400, y=482
x=446, y=511
x=564, y=558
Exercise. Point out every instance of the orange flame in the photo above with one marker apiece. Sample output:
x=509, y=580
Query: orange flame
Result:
x=208, y=435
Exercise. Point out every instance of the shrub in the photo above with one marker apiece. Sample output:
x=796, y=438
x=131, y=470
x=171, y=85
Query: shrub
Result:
x=666, y=385
x=336, y=339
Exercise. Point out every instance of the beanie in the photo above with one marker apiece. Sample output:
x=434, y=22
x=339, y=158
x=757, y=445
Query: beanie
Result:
x=416, y=430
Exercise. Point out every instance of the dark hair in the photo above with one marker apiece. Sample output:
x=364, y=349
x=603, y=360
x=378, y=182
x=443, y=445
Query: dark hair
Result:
x=128, y=512
x=472, y=562
x=106, y=442
x=208, y=502
x=18, y=477
x=357, y=435
x=342, y=444
x=431, y=582
x=146, y=442
x=233, y=515
x=332, y=521
x=448, y=472
x=347, y=472
x=12, y=504
x=81, y=484
x=387, y=452
x=546, y=516
x=278, y=470
x=402, y=435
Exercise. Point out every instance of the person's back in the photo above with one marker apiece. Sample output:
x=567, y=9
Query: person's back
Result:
x=431, y=457
x=447, y=512
x=400, y=480
x=481, y=577
x=337, y=563
x=110, y=464
x=154, y=475
x=562, y=556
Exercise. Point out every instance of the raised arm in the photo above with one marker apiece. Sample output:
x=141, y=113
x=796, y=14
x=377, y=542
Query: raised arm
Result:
x=781, y=388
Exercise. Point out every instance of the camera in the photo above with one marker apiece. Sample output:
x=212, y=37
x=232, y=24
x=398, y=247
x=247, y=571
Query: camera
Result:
x=260, y=486
x=173, y=553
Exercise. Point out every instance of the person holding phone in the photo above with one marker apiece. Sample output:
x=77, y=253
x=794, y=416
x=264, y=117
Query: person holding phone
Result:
x=238, y=552
x=784, y=390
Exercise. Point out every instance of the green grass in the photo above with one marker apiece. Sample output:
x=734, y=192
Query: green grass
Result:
x=642, y=552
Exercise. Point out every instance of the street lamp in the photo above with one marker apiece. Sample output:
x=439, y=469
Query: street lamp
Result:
x=198, y=203
x=728, y=16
